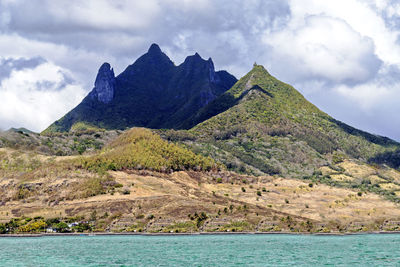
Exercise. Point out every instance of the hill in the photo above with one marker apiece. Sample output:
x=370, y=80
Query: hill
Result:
x=152, y=93
x=74, y=194
x=264, y=126
x=139, y=148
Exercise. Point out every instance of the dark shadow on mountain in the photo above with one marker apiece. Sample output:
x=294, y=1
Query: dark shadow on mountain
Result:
x=219, y=105
x=390, y=158
x=376, y=139
x=258, y=88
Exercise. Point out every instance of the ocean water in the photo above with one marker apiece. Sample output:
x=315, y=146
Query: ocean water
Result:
x=202, y=250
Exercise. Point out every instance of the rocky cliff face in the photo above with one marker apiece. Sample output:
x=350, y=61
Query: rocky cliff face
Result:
x=152, y=92
x=104, y=85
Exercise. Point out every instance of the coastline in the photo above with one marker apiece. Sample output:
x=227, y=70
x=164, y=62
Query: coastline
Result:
x=194, y=233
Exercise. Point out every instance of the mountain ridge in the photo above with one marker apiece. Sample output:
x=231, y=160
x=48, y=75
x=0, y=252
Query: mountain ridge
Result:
x=152, y=92
x=264, y=126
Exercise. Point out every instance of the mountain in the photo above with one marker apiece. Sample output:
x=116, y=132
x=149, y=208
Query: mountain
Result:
x=264, y=126
x=152, y=92
x=256, y=157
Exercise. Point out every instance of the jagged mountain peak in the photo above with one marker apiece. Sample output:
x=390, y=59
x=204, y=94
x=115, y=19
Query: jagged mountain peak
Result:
x=196, y=58
x=154, y=49
x=195, y=64
x=151, y=92
x=105, y=67
x=155, y=60
x=104, y=86
x=155, y=55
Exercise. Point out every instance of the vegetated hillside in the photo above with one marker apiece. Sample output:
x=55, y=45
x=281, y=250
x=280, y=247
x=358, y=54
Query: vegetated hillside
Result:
x=81, y=139
x=152, y=92
x=139, y=148
x=264, y=126
x=140, y=182
x=39, y=191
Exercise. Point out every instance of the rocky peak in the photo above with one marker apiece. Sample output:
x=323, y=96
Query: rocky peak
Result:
x=154, y=49
x=154, y=61
x=194, y=59
x=211, y=71
x=196, y=64
x=104, y=86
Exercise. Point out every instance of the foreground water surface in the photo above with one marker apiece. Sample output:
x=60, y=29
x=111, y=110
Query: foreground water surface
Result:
x=202, y=250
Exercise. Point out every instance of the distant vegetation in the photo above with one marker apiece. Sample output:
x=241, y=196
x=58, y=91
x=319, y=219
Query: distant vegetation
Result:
x=41, y=225
x=84, y=139
x=139, y=148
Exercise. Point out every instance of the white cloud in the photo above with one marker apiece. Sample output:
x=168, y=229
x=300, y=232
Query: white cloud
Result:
x=361, y=17
x=323, y=47
x=34, y=98
x=75, y=15
x=344, y=55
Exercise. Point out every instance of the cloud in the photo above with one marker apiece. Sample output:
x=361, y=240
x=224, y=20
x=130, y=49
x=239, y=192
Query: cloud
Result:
x=7, y=65
x=32, y=97
x=322, y=47
x=120, y=31
x=344, y=55
x=79, y=16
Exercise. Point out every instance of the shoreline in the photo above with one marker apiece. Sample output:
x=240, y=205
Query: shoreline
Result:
x=194, y=233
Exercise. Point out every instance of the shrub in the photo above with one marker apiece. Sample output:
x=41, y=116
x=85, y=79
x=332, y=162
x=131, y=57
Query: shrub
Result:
x=62, y=227
x=201, y=218
x=81, y=227
x=34, y=226
x=258, y=193
x=126, y=191
x=3, y=228
x=231, y=208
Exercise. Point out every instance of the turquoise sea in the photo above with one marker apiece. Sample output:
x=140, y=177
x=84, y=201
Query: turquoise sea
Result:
x=202, y=250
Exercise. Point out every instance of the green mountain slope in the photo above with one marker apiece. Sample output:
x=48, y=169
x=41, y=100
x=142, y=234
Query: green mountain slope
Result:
x=262, y=125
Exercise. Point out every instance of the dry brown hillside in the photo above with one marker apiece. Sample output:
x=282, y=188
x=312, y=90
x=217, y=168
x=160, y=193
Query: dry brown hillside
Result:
x=33, y=185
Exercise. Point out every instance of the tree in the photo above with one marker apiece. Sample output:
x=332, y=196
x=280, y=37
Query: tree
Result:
x=3, y=228
x=93, y=216
x=62, y=227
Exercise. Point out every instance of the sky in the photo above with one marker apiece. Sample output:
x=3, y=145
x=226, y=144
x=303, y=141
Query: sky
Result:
x=342, y=55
